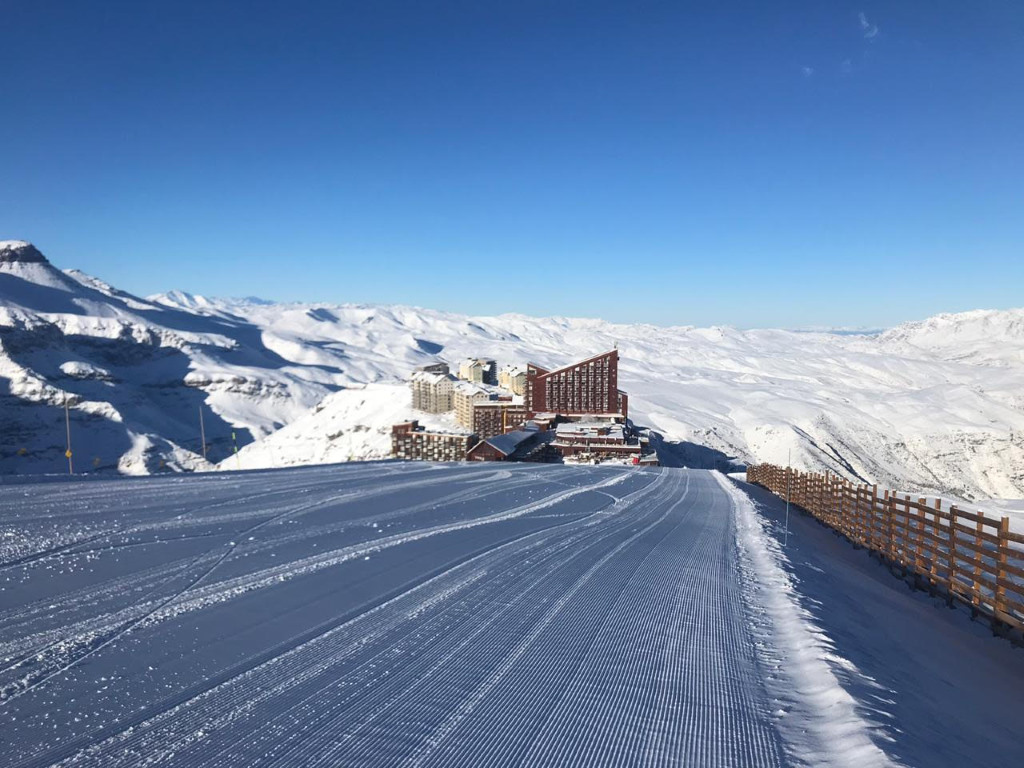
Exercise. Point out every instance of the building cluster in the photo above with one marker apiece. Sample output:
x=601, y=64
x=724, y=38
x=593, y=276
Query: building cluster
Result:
x=574, y=413
x=479, y=371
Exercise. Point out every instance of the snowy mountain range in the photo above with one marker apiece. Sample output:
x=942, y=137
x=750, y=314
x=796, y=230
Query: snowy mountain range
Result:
x=935, y=406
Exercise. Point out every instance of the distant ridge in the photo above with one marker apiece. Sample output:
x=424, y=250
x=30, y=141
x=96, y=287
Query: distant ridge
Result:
x=934, y=406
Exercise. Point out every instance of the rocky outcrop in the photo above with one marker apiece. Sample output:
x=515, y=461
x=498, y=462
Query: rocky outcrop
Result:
x=20, y=252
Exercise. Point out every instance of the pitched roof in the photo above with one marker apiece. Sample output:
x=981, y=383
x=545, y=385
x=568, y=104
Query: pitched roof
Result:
x=545, y=372
x=508, y=442
x=433, y=378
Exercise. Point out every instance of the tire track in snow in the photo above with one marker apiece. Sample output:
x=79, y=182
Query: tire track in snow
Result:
x=617, y=635
x=397, y=540
x=409, y=697
x=284, y=671
x=96, y=634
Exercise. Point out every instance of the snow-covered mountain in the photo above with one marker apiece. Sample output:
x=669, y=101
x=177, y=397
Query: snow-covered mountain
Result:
x=135, y=373
x=936, y=406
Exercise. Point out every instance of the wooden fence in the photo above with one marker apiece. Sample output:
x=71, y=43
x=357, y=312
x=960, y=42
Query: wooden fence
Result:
x=977, y=559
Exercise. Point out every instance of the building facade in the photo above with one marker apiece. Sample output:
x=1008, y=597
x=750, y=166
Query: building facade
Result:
x=411, y=442
x=510, y=446
x=431, y=392
x=496, y=417
x=464, y=396
x=586, y=387
x=513, y=379
x=596, y=439
x=482, y=370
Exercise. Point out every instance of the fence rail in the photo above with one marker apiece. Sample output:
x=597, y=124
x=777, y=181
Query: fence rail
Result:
x=976, y=558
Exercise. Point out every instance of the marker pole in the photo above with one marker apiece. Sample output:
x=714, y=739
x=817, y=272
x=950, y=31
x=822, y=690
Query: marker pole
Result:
x=67, y=423
x=202, y=430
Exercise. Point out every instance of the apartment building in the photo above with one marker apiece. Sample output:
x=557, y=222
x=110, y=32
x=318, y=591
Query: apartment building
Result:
x=586, y=387
x=464, y=396
x=411, y=442
x=432, y=392
x=495, y=417
x=479, y=370
x=513, y=379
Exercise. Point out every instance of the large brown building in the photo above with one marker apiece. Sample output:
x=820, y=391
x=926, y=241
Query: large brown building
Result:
x=496, y=417
x=587, y=387
x=410, y=441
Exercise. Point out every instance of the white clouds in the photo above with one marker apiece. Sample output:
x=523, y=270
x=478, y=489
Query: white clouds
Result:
x=870, y=30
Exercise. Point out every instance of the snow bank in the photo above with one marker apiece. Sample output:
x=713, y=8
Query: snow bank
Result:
x=816, y=716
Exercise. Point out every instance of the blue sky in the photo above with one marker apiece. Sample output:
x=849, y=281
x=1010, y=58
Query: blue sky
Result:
x=753, y=164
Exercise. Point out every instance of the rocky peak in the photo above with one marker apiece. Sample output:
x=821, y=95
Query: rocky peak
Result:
x=20, y=252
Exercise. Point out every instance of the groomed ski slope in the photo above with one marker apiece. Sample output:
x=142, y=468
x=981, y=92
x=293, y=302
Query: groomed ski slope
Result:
x=410, y=614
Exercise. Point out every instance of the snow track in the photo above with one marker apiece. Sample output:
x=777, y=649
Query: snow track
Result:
x=381, y=615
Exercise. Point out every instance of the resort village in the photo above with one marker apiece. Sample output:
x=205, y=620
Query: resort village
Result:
x=574, y=414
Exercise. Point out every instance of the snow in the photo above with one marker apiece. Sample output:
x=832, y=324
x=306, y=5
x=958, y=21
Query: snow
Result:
x=353, y=424
x=816, y=714
x=932, y=687
x=934, y=406
x=471, y=615
x=79, y=369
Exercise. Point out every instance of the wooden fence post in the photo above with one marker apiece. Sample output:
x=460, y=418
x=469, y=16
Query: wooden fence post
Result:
x=875, y=522
x=905, y=540
x=976, y=596
x=919, y=554
x=952, y=552
x=853, y=524
x=887, y=528
x=865, y=520
x=1001, y=575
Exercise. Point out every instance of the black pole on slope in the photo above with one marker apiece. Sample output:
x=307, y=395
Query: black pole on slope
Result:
x=67, y=424
x=202, y=430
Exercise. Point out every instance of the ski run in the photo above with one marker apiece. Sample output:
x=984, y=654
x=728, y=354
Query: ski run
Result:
x=388, y=614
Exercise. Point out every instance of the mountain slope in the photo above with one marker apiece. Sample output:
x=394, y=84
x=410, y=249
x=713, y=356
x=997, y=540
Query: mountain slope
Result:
x=935, y=406
x=866, y=407
x=135, y=374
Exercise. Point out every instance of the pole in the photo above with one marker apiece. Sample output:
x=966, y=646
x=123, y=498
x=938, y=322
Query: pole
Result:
x=789, y=481
x=202, y=431
x=67, y=423
x=234, y=440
